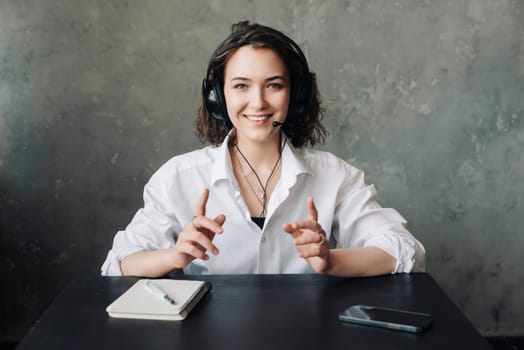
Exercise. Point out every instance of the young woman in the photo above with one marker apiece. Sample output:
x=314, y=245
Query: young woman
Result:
x=257, y=200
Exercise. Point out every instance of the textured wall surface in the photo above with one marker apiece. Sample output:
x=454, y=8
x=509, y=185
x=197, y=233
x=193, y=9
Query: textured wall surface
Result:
x=426, y=97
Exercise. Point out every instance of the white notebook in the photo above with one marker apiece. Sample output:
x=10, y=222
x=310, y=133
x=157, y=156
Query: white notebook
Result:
x=142, y=301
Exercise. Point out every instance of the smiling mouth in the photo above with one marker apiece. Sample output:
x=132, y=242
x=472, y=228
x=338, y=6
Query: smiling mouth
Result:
x=258, y=118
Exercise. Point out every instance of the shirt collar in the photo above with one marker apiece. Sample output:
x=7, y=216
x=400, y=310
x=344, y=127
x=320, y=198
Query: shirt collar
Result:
x=293, y=164
x=222, y=169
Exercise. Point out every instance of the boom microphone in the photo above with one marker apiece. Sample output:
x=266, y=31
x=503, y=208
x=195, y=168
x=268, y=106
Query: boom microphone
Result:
x=275, y=124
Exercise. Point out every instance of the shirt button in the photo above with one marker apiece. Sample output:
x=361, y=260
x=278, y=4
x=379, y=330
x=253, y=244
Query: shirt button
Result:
x=263, y=240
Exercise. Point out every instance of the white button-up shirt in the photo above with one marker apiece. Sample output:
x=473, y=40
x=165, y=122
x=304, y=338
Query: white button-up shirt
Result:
x=347, y=211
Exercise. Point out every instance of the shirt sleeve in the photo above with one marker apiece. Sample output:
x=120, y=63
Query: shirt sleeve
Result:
x=361, y=222
x=153, y=227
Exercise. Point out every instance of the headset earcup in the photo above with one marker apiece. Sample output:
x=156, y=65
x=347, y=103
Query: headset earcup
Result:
x=214, y=99
x=303, y=94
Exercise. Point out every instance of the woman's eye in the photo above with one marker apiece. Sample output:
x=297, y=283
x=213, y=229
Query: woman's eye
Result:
x=240, y=86
x=276, y=86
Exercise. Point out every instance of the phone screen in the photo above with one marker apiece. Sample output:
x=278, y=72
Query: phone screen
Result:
x=386, y=317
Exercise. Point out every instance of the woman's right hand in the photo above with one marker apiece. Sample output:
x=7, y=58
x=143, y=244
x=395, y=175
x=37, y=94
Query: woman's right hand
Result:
x=193, y=243
x=196, y=238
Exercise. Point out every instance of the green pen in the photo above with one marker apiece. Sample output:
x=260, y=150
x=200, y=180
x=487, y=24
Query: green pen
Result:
x=156, y=290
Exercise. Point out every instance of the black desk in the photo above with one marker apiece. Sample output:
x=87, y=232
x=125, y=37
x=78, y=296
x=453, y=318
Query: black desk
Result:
x=256, y=312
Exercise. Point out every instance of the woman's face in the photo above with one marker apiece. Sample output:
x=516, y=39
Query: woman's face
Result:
x=257, y=91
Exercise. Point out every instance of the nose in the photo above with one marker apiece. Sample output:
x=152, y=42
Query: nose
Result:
x=257, y=99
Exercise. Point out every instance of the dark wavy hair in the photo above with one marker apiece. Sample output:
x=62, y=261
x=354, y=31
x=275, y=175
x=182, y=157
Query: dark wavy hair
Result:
x=301, y=128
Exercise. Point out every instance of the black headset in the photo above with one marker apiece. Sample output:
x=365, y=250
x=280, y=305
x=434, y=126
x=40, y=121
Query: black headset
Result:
x=302, y=91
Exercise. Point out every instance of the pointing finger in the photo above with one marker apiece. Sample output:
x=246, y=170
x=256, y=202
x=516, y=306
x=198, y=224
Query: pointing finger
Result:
x=200, y=208
x=312, y=213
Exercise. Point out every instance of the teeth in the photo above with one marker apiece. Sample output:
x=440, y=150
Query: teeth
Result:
x=257, y=118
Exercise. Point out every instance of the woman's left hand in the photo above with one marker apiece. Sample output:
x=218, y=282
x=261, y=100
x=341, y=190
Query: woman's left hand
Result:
x=310, y=239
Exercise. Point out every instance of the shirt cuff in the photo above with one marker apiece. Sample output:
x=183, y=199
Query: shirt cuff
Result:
x=409, y=253
x=111, y=266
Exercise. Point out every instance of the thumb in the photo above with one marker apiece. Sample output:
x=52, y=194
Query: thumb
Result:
x=220, y=219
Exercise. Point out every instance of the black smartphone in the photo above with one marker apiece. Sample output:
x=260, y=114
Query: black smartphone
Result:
x=377, y=316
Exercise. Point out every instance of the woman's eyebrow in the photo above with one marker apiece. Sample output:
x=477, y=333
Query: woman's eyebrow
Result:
x=275, y=77
x=240, y=78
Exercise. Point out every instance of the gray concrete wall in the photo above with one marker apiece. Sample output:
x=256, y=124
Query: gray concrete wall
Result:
x=426, y=97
